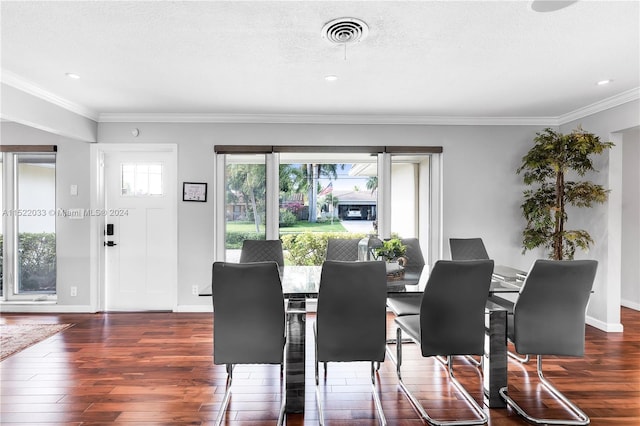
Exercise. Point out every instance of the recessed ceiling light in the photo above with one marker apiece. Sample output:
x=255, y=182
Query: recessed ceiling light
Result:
x=331, y=78
x=72, y=75
x=604, y=82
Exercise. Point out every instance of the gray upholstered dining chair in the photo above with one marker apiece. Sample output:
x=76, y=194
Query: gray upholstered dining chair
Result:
x=451, y=322
x=549, y=319
x=467, y=249
x=415, y=260
x=248, y=319
x=262, y=251
x=342, y=249
x=346, y=331
x=409, y=304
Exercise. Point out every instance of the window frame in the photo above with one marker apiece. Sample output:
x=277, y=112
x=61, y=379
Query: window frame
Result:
x=10, y=226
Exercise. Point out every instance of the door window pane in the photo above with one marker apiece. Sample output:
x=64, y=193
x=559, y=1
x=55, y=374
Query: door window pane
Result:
x=141, y=179
x=36, y=223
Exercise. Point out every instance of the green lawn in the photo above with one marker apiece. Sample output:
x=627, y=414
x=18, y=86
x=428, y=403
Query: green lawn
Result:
x=301, y=226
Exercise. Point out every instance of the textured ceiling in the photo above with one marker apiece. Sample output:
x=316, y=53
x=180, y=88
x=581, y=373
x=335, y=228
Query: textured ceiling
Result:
x=420, y=58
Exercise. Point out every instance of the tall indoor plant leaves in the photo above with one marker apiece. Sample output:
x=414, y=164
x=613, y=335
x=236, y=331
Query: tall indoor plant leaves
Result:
x=545, y=168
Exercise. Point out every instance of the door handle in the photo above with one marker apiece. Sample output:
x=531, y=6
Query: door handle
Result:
x=110, y=244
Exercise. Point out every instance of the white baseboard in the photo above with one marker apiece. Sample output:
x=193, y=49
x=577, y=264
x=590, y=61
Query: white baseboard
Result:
x=194, y=308
x=44, y=307
x=630, y=304
x=609, y=328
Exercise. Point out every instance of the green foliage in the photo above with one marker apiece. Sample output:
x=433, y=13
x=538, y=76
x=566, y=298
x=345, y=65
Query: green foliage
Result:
x=37, y=261
x=249, y=180
x=310, y=248
x=287, y=218
x=235, y=238
x=390, y=249
x=545, y=166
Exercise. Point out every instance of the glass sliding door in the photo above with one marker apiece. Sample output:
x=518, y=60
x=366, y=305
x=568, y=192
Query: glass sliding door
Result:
x=28, y=225
x=410, y=197
x=36, y=223
x=245, y=201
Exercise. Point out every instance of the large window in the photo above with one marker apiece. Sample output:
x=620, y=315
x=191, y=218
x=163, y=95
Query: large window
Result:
x=323, y=193
x=28, y=225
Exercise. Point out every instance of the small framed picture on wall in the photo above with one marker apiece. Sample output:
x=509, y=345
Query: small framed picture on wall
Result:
x=194, y=191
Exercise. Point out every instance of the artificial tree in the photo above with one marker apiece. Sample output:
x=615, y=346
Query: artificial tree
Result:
x=546, y=166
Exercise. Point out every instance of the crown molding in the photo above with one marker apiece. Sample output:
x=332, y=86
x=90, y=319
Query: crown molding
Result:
x=20, y=83
x=323, y=119
x=603, y=105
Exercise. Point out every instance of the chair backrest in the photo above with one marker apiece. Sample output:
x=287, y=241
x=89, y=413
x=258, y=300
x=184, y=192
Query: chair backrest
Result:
x=342, y=249
x=452, y=308
x=549, y=314
x=262, y=251
x=351, y=313
x=415, y=259
x=248, y=313
x=467, y=249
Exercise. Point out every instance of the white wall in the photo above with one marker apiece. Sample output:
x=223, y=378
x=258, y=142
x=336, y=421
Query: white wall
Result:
x=630, y=262
x=604, y=222
x=23, y=108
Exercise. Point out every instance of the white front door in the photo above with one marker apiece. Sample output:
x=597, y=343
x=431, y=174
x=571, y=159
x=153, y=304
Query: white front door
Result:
x=140, y=230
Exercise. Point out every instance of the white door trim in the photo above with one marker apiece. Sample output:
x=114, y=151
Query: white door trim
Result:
x=97, y=222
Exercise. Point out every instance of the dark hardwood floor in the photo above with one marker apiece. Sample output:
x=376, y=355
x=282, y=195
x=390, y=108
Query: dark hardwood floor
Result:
x=156, y=368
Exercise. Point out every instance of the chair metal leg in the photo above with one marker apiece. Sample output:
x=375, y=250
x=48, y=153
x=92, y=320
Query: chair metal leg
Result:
x=317, y=374
x=283, y=398
x=376, y=397
x=227, y=395
x=482, y=416
x=522, y=359
x=583, y=418
x=477, y=363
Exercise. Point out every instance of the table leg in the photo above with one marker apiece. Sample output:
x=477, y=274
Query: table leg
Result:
x=495, y=358
x=295, y=368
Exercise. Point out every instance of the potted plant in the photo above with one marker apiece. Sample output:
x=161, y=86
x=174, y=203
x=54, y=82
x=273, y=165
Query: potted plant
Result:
x=392, y=252
x=546, y=166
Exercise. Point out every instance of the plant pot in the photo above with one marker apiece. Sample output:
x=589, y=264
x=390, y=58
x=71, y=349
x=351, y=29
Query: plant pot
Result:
x=394, y=270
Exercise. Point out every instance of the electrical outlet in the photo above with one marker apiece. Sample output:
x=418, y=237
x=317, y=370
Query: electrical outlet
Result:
x=194, y=290
x=74, y=291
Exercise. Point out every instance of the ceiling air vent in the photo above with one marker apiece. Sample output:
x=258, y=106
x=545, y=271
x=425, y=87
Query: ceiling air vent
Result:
x=345, y=30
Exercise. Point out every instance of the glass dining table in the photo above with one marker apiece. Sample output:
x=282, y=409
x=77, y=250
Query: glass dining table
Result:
x=301, y=283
